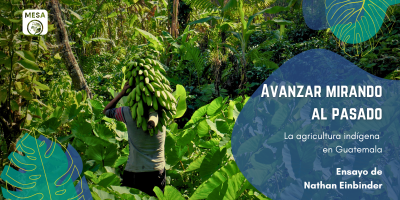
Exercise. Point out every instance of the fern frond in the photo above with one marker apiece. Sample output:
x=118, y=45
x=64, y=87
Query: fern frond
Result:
x=194, y=54
x=203, y=5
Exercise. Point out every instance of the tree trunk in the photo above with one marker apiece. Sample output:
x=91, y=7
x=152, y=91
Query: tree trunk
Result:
x=110, y=31
x=174, y=21
x=78, y=81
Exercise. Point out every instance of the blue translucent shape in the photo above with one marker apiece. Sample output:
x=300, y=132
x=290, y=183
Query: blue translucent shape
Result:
x=82, y=189
x=314, y=14
x=280, y=167
x=44, y=172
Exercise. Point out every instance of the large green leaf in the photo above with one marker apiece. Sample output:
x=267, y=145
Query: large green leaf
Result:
x=186, y=137
x=81, y=128
x=180, y=93
x=104, y=155
x=195, y=164
x=208, y=144
x=212, y=162
x=216, y=180
x=202, y=128
x=173, y=152
x=223, y=126
x=215, y=106
x=73, y=111
x=49, y=126
x=153, y=39
x=103, y=131
x=213, y=127
x=29, y=65
x=120, y=161
x=121, y=189
x=102, y=194
x=235, y=184
x=93, y=140
x=107, y=179
x=26, y=55
x=199, y=113
x=170, y=193
x=96, y=104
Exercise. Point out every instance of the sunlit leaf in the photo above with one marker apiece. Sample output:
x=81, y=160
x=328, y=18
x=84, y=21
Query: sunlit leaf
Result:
x=26, y=55
x=170, y=193
x=42, y=44
x=202, y=128
x=112, y=15
x=153, y=39
x=120, y=161
x=212, y=162
x=15, y=20
x=215, y=106
x=107, y=179
x=102, y=194
x=216, y=180
x=75, y=14
x=18, y=12
x=29, y=65
x=40, y=86
x=180, y=94
x=57, y=56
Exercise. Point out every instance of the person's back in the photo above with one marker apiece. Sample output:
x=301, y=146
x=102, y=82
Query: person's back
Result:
x=145, y=168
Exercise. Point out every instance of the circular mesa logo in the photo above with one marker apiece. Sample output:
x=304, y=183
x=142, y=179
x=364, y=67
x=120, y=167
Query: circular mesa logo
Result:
x=35, y=27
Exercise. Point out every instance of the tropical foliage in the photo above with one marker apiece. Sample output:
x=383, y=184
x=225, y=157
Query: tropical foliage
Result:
x=216, y=53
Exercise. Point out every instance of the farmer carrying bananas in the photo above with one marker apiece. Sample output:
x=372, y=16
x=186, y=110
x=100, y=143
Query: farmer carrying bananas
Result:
x=145, y=168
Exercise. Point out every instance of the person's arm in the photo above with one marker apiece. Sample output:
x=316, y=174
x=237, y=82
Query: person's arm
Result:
x=153, y=120
x=153, y=117
x=114, y=102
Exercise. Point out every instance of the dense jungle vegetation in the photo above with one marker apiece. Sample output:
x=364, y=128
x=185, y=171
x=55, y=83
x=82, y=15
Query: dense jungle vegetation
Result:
x=219, y=51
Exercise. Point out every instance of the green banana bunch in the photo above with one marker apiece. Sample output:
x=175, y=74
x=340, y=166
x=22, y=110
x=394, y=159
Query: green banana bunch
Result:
x=151, y=92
